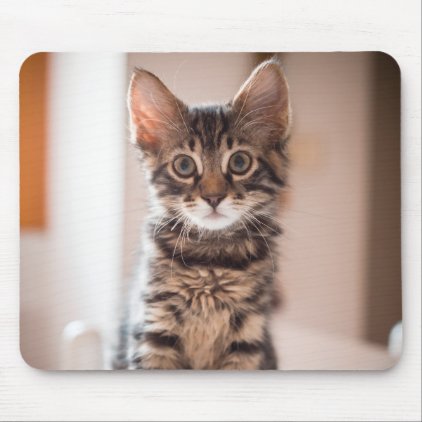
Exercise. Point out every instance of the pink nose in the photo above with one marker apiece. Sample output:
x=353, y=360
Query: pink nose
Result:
x=213, y=200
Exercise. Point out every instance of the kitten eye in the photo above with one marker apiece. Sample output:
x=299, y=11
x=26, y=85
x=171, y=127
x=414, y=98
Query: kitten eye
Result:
x=240, y=162
x=184, y=166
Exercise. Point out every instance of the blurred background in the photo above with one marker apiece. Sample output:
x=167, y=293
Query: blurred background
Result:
x=83, y=201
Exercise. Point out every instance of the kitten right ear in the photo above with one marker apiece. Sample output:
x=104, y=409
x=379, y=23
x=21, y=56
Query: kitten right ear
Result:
x=157, y=116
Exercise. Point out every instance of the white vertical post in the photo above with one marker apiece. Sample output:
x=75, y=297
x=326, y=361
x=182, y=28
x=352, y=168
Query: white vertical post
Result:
x=86, y=186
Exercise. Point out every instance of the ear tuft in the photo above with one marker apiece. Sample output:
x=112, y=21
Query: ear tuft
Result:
x=262, y=103
x=157, y=116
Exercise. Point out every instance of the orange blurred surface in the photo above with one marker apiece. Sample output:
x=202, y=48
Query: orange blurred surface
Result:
x=33, y=141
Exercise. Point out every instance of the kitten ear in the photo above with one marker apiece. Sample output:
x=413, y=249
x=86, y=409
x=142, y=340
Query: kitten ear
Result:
x=262, y=104
x=157, y=116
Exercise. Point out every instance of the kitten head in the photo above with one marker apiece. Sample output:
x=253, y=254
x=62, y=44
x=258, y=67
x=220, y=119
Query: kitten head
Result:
x=214, y=167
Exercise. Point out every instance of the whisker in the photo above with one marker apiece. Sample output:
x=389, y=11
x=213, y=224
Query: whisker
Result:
x=177, y=222
x=184, y=237
x=159, y=226
x=268, y=246
x=250, y=239
x=262, y=223
x=172, y=258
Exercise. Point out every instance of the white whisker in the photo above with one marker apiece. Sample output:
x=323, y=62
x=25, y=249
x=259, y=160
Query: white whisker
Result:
x=268, y=246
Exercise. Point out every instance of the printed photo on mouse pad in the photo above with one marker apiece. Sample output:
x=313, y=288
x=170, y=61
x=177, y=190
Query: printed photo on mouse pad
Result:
x=210, y=211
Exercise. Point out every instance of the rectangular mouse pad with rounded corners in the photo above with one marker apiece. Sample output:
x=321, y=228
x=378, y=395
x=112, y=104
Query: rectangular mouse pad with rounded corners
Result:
x=210, y=211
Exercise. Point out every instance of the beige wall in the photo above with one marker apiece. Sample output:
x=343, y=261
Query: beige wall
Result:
x=341, y=252
x=326, y=221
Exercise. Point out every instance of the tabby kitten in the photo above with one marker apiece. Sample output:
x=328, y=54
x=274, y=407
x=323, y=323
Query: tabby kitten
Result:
x=215, y=174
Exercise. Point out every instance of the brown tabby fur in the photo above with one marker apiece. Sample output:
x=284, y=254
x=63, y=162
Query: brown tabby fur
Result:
x=202, y=298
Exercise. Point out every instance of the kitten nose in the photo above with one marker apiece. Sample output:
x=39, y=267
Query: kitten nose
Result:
x=213, y=199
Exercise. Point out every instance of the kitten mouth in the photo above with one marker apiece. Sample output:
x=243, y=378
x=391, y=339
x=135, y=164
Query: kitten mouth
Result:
x=215, y=215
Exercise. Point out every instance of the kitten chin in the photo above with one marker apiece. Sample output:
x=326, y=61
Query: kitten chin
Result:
x=214, y=221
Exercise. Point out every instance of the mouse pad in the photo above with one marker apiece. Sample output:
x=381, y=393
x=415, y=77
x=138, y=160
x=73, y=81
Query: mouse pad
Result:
x=210, y=211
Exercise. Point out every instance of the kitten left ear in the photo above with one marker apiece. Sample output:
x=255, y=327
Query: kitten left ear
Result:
x=262, y=103
x=157, y=116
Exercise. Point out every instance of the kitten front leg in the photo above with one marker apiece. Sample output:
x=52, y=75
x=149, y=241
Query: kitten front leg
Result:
x=157, y=350
x=251, y=345
x=242, y=355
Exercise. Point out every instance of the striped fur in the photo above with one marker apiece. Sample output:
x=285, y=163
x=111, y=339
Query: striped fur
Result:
x=202, y=299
